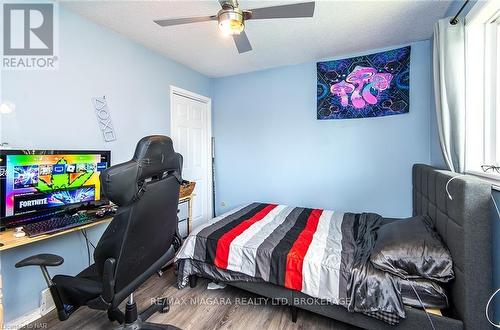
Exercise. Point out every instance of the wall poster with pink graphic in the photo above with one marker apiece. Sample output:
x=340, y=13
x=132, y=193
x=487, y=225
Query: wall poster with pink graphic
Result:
x=373, y=85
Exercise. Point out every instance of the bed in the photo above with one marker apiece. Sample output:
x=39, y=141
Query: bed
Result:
x=463, y=222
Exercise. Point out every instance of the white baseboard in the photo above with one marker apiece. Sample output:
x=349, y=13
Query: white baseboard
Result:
x=23, y=320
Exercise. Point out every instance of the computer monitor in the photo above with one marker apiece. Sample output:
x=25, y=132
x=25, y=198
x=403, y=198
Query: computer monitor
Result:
x=41, y=182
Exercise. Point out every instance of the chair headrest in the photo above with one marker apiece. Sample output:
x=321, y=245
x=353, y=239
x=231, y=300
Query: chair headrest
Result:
x=154, y=156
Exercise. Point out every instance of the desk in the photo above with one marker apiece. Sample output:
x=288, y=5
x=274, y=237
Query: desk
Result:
x=9, y=241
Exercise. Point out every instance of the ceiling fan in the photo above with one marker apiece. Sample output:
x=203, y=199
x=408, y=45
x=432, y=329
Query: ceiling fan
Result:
x=232, y=19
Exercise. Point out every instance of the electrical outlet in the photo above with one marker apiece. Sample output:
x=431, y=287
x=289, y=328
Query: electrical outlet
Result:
x=46, y=302
x=223, y=204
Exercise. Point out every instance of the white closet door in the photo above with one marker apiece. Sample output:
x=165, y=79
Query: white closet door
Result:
x=190, y=133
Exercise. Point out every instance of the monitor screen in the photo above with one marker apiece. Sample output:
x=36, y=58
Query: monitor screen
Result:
x=41, y=181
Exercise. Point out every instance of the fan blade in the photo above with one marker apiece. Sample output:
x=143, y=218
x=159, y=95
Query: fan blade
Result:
x=185, y=20
x=242, y=42
x=305, y=9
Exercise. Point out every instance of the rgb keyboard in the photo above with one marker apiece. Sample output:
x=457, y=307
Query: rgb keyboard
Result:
x=57, y=223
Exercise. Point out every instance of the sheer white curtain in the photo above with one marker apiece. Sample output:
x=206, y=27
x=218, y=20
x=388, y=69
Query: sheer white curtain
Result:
x=449, y=88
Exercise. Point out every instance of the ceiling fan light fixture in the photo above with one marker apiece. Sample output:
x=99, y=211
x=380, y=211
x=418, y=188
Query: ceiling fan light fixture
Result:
x=231, y=21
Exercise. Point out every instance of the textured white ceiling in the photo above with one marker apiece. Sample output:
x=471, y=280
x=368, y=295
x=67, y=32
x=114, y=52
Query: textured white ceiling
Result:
x=337, y=28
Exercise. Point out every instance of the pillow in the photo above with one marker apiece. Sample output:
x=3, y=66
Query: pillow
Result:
x=431, y=294
x=412, y=249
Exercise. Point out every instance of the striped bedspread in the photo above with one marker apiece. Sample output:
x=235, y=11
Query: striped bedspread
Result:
x=313, y=251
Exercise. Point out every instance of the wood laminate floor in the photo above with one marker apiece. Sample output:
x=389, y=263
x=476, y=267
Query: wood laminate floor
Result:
x=199, y=308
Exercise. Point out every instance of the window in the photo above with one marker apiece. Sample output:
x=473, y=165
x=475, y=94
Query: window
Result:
x=482, y=44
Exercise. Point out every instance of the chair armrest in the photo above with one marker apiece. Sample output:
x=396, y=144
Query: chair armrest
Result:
x=108, y=280
x=41, y=260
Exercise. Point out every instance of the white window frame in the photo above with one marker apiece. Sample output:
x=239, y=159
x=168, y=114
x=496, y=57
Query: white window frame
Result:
x=482, y=56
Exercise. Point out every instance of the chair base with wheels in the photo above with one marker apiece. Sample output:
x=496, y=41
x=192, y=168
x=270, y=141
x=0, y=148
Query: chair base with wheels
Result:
x=132, y=321
x=129, y=320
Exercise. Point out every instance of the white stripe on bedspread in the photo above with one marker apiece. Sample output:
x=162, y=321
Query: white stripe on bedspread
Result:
x=241, y=249
x=321, y=267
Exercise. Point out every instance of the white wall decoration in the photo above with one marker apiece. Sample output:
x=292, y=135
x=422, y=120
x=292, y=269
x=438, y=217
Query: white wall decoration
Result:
x=104, y=118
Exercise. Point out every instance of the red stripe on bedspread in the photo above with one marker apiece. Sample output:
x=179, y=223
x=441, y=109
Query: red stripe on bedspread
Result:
x=295, y=257
x=224, y=243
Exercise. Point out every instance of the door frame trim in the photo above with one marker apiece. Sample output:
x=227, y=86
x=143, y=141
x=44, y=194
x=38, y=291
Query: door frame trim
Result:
x=174, y=90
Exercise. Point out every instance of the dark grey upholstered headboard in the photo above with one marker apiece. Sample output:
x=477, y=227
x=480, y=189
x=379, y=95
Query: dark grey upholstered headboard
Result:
x=464, y=223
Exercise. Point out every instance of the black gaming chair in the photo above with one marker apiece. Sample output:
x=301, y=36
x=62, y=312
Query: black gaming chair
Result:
x=136, y=244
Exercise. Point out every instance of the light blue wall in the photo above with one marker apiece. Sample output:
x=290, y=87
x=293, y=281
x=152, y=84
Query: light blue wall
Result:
x=54, y=111
x=270, y=147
